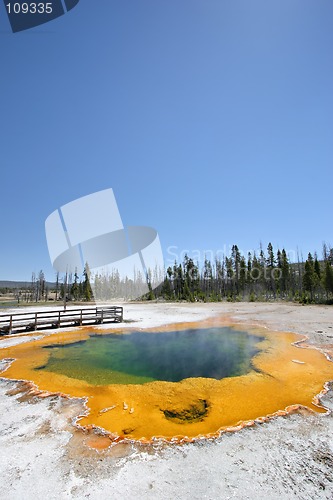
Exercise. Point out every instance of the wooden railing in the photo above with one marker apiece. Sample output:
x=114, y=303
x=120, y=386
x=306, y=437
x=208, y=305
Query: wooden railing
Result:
x=30, y=321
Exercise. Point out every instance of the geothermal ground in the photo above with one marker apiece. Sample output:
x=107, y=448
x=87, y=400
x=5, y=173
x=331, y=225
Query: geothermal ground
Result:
x=42, y=455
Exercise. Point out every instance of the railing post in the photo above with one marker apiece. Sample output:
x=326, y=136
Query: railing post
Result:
x=59, y=319
x=36, y=321
x=102, y=316
x=81, y=317
x=10, y=324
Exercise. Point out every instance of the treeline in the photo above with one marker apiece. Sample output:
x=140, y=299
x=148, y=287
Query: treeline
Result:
x=36, y=291
x=68, y=287
x=106, y=287
x=250, y=277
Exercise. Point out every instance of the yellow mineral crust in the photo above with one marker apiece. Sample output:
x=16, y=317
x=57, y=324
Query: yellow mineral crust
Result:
x=194, y=407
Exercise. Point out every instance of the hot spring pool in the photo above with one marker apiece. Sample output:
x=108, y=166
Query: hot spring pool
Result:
x=175, y=382
x=140, y=357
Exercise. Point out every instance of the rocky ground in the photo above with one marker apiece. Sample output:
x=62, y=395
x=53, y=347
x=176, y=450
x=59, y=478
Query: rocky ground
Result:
x=42, y=455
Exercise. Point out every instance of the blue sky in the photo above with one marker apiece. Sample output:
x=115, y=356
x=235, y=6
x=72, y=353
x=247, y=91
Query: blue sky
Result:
x=210, y=119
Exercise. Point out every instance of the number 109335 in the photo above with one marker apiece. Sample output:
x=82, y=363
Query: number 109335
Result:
x=29, y=8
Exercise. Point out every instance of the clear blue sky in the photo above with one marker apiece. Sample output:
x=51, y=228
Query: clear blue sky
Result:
x=212, y=121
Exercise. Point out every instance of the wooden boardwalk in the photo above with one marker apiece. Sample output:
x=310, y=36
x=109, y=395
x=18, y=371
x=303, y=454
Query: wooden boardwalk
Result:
x=31, y=321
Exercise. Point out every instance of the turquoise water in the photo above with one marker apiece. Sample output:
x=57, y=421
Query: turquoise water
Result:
x=140, y=357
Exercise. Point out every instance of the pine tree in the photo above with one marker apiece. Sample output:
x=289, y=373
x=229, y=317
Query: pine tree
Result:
x=87, y=292
x=255, y=268
x=230, y=277
x=75, y=286
x=271, y=264
x=151, y=295
x=249, y=267
x=270, y=259
x=328, y=279
x=191, y=278
x=262, y=273
x=317, y=268
x=285, y=268
x=219, y=275
x=207, y=277
x=166, y=289
x=242, y=275
x=236, y=257
x=309, y=277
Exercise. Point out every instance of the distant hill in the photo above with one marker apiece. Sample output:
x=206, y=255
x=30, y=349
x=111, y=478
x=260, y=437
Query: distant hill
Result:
x=22, y=284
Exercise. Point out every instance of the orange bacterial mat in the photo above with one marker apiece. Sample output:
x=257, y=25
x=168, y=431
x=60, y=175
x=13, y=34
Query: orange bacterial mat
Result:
x=286, y=377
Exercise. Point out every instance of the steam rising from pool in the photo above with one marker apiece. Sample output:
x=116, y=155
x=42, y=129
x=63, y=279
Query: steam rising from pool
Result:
x=140, y=357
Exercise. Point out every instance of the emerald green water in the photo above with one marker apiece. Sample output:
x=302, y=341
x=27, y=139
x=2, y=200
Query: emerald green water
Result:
x=140, y=357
